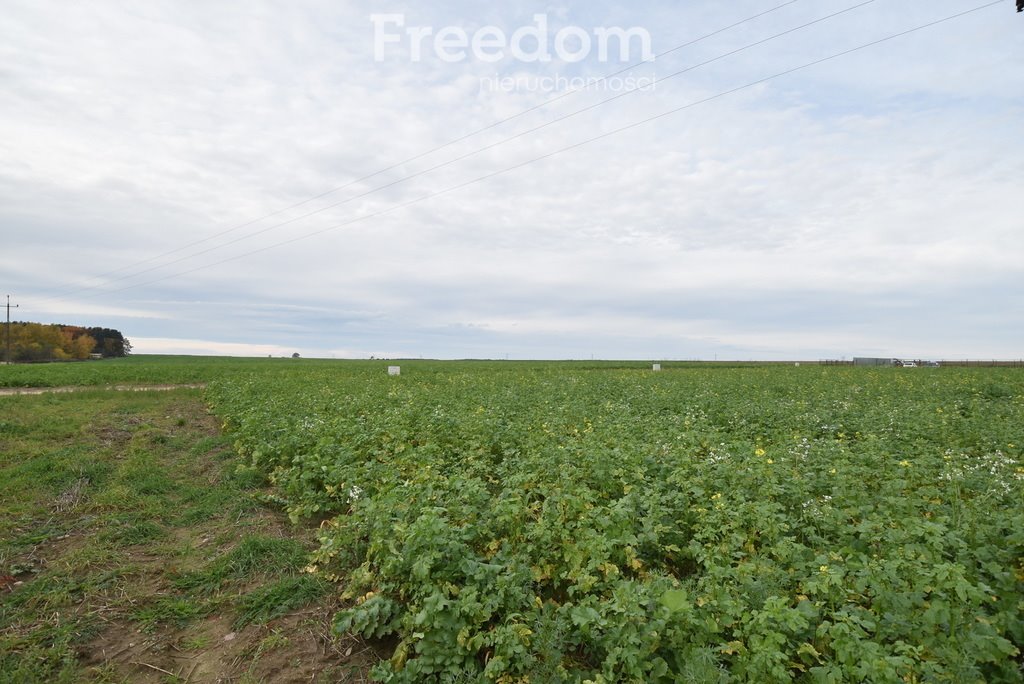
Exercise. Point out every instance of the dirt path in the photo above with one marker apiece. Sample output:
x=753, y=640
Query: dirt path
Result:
x=14, y=391
x=133, y=549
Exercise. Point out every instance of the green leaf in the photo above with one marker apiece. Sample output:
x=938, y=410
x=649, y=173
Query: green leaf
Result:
x=675, y=600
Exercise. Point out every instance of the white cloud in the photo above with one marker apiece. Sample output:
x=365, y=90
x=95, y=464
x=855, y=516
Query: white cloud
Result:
x=165, y=345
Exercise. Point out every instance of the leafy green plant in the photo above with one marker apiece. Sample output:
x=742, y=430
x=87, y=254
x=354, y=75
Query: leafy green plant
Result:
x=551, y=522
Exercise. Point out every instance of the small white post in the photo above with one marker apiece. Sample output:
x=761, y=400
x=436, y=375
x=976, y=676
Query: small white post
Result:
x=394, y=370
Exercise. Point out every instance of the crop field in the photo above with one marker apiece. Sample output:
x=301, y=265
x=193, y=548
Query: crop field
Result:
x=511, y=522
x=140, y=370
x=575, y=522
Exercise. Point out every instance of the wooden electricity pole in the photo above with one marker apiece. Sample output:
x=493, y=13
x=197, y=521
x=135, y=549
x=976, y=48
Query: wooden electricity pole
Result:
x=8, y=359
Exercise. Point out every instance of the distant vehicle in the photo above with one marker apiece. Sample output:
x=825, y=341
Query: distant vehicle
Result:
x=934, y=364
x=909, y=364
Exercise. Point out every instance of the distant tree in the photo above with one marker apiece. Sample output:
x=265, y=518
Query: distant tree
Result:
x=111, y=343
x=37, y=342
x=81, y=347
x=295, y=355
x=40, y=342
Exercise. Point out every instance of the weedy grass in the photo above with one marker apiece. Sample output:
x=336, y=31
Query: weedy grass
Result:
x=171, y=610
x=106, y=498
x=254, y=557
x=279, y=598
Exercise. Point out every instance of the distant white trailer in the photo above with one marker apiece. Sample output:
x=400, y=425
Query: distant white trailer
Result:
x=656, y=367
x=394, y=370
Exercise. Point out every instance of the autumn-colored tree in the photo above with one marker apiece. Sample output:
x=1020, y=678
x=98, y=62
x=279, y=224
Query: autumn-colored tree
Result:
x=81, y=347
x=38, y=342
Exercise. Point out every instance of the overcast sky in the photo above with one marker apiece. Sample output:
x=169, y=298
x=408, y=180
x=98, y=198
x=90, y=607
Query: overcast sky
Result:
x=867, y=205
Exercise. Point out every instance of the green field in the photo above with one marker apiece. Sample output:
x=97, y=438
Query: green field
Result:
x=547, y=522
x=143, y=370
x=154, y=370
x=132, y=548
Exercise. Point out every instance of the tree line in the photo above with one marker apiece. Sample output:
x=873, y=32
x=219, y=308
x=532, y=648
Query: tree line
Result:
x=56, y=342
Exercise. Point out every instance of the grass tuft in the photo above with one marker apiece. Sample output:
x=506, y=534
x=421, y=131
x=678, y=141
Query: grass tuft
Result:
x=253, y=557
x=279, y=598
x=132, y=534
x=171, y=610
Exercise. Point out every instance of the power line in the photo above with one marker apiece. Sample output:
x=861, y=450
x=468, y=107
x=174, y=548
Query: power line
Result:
x=480, y=150
x=491, y=126
x=568, y=148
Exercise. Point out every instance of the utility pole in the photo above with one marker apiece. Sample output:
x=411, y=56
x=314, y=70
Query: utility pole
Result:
x=9, y=328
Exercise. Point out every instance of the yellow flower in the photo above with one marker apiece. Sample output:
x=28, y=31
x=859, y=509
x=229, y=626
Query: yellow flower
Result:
x=716, y=496
x=759, y=451
x=770, y=461
x=905, y=464
x=823, y=569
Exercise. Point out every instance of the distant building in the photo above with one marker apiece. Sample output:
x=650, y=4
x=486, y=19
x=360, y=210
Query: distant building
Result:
x=865, y=361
